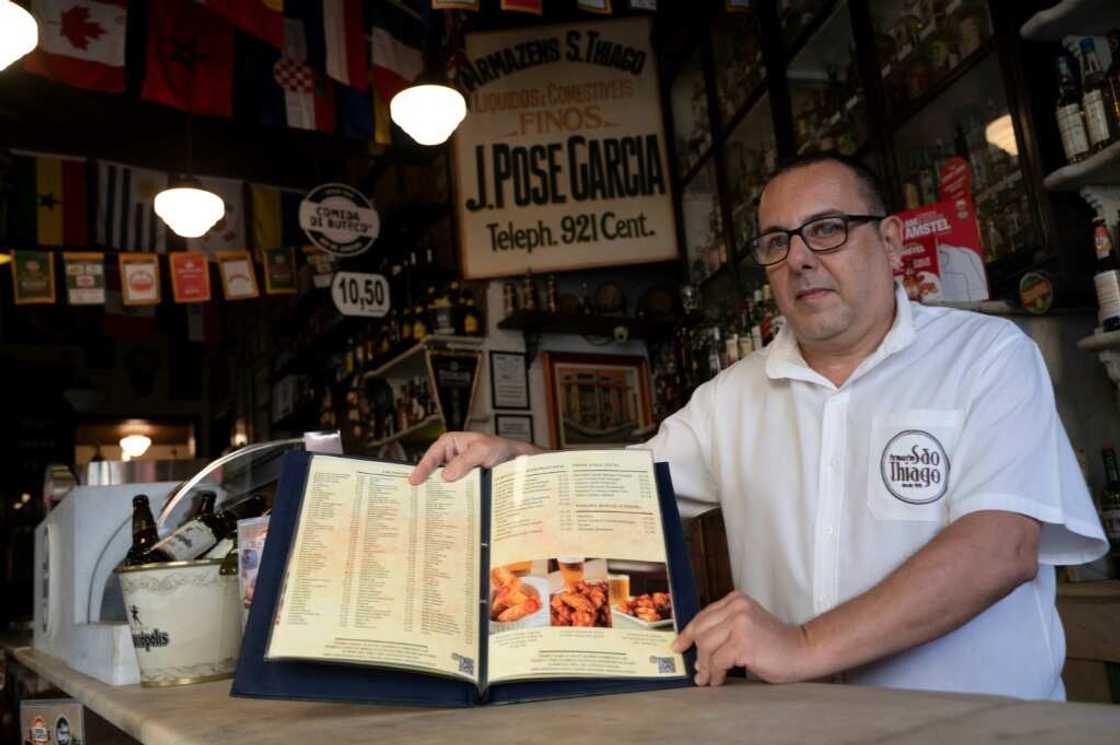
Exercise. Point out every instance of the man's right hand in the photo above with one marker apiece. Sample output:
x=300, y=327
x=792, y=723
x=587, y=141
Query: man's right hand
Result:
x=459, y=452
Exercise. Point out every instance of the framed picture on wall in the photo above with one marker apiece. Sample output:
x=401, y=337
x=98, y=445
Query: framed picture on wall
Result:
x=509, y=380
x=514, y=426
x=596, y=400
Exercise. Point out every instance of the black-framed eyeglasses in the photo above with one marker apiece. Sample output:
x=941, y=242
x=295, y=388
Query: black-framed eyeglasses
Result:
x=821, y=235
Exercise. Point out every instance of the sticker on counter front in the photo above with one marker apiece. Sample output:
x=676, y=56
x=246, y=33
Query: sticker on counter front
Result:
x=190, y=276
x=33, y=277
x=239, y=280
x=339, y=219
x=85, y=278
x=139, y=278
x=279, y=270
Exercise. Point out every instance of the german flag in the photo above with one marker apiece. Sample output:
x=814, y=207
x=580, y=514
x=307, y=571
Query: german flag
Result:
x=49, y=202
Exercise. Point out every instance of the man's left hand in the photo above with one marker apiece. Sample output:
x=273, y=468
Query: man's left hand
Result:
x=738, y=632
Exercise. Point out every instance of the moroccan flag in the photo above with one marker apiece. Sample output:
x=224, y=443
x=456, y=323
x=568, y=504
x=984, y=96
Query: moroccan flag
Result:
x=395, y=41
x=336, y=42
x=48, y=202
x=275, y=222
x=81, y=43
x=263, y=19
x=190, y=59
x=126, y=215
x=524, y=6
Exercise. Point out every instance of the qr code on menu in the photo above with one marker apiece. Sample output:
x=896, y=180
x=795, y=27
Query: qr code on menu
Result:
x=466, y=664
x=665, y=665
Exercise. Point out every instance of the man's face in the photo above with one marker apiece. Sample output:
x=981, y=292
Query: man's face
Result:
x=833, y=299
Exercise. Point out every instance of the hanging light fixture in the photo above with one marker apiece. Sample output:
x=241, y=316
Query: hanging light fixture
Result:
x=19, y=32
x=133, y=446
x=188, y=209
x=428, y=112
x=1001, y=133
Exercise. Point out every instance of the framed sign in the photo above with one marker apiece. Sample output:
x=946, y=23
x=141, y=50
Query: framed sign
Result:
x=509, y=380
x=139, y=278
x=190, y=276
x=33, y=277
x=596, y=400
x=514, y=426
x=239, y=279
x=562, y=162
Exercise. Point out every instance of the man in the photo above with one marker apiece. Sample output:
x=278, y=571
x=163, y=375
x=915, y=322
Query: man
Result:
x=895, y=481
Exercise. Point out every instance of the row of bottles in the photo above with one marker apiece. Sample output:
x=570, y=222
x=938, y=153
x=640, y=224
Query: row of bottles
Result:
x=1107, y=277
x=207, y=533
x=391, y=409
x=1088, y=110
x=832, y=117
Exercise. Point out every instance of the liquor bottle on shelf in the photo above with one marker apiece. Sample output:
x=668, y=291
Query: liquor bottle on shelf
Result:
x=1110, y=504
x=1107, y=279
x=551, y=300
x=472, y=323
x=144, y=534
x=200, y=534
x=1103, y=245
x=440, y=314
x=1093, y=97
x=455, y=297
x=1071, y=123
x=419, y=324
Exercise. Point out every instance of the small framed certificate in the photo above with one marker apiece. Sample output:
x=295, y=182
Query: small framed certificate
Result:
x=509, y=380
x=514, y=426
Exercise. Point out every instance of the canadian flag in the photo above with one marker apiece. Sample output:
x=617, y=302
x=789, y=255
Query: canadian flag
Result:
x=81, y=43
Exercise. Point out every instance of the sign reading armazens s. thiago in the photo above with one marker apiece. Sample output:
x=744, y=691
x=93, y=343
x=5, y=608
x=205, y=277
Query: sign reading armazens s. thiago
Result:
x=561, y=162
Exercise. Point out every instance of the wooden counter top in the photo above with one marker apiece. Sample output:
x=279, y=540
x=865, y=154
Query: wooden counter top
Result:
x=742, y=713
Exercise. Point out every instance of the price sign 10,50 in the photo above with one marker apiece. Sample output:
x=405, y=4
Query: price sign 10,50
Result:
x=360, y=294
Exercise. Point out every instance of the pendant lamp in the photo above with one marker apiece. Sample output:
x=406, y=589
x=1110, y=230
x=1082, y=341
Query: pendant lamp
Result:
x=428, y=111
x=19, y=32
x=188, y=209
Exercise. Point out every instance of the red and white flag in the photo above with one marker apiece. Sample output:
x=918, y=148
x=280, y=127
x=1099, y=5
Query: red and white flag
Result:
x=81, y=43
x=345, y=42
x=396, y=63
x=263, y=19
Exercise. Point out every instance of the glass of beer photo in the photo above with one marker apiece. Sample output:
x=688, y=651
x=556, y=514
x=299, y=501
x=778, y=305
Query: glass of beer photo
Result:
x=571, y=569
x=619, y=589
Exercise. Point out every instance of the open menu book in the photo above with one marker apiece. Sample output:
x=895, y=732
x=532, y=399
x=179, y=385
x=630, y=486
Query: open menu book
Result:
x=559, y=574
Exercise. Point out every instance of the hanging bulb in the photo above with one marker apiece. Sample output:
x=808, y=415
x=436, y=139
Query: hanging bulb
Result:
x=19, y=32
x=428, y=113
x=188, y=209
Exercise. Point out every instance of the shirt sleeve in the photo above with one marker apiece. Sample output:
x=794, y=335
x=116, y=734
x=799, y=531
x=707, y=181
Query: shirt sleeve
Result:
x=1014, y=455
x=684, y=441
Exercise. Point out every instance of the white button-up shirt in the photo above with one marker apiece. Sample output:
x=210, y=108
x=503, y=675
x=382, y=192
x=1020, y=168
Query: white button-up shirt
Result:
x=827, y=489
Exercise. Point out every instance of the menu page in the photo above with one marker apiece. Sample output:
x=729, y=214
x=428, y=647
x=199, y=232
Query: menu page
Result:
x=579, y=582
x=381, y=572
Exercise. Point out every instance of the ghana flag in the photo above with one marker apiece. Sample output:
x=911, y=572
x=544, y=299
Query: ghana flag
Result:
x=48, y=201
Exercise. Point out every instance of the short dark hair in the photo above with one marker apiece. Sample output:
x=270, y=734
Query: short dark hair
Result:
x=869, y=182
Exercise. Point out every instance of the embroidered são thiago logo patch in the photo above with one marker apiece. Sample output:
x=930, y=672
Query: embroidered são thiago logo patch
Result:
x=915, y=467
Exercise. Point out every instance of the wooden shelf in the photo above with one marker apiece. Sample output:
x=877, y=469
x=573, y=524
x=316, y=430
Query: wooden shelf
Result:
x=1100, y=342
x=1099, y=169
x=426, y=429
x=1072, y=18
x=412, y=362
x=543, y=322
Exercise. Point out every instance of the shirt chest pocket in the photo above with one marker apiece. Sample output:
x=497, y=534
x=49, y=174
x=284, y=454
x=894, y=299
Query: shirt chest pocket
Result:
x=910, y=464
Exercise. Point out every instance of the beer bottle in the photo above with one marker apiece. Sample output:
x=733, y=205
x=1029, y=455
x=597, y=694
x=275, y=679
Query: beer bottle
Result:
x=201, y=533
x=144, y=535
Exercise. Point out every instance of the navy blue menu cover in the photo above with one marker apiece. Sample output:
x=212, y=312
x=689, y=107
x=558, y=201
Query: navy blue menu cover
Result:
x=288, y=679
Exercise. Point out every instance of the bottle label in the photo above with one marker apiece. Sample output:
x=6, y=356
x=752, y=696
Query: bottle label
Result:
x=1074, y=140
x=1111, y=521
x=1103, y=242
x=1096, y=117
x=188, y=542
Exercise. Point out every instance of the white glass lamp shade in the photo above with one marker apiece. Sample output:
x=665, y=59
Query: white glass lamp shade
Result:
x=1001, y=133
x=428, y=113
x=188, y=210
x=133, y=446
x=19, y=32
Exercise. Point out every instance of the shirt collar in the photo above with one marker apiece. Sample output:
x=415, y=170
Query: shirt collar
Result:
x=786, y=361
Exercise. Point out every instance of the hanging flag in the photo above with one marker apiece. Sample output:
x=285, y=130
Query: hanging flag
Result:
x=239, y=281
x=48, y=201
x=279, y=88
x=33, y=277
x=524, y=6
x=395, y=42
x=190, y=276
x=336, y=43
x=355, y=112
x=139, y=278
x=455, y=5
x=189, y=59
x=263, y=19
x=85, y=277
x=279, y=271
x=595, y=6
x=80, y=43
x=229, y=232
x=275, y=222
x=126, y=215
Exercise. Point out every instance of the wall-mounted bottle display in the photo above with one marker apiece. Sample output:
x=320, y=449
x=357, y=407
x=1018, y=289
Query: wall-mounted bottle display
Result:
x=690, y=114
x=739, y=66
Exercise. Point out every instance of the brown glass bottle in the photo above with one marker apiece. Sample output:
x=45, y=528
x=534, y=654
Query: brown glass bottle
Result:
x=202, y=533
x=144, y=535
